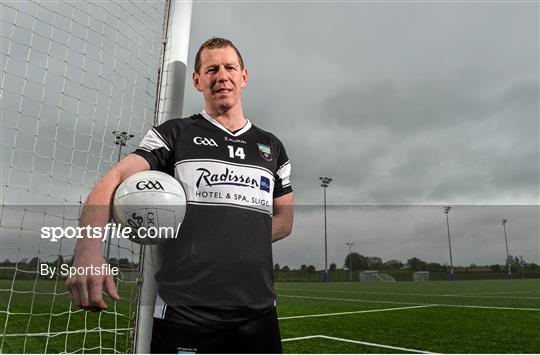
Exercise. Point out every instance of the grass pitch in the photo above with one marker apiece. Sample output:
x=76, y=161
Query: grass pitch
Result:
x=496, y=316
x=30, y=328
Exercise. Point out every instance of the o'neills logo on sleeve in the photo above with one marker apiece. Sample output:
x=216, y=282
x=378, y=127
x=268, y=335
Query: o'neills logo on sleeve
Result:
x=215, y=182
x=226, y=177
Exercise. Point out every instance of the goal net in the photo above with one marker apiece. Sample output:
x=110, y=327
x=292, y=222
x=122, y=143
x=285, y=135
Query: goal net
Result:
x=421, y=276
x=72, y=72
x=374, y=275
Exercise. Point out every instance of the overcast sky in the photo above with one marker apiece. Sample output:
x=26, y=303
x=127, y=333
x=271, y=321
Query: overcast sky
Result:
x=408, y=106
x=401, y=103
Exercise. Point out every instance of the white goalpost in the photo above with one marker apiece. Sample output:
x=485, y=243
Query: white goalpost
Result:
x=171, y=94
x=71, y=74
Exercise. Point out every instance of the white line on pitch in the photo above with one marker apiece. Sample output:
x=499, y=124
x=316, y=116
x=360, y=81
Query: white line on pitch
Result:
x=359, y=292
x=359, y=342
x=355, y=312
x=54, y=334
x=353, y=300
x=488, y=293
x=489, y=307
x=419, y=304
x=491, y=295
x=480, y=295
x=496, y=297
x=301, y=338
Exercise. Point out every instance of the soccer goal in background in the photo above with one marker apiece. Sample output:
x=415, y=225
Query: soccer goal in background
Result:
x=72, y=73
x=421, y=276
x=374, y=275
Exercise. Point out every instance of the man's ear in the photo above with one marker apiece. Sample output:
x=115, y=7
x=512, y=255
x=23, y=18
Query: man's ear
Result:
x=196, y=81
x=244, y=78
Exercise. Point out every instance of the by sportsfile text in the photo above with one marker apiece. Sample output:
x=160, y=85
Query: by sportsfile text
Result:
x=70, y=271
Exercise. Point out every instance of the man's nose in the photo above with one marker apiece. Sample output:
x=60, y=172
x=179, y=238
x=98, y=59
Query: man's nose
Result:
x=222, y=74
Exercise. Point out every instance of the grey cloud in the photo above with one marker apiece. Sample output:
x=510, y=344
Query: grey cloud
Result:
x=401, y=103
x=412, y=103
x=402, y=232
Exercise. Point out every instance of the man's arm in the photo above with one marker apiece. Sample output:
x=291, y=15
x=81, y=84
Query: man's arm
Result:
x=282, y=221
x=85, y=290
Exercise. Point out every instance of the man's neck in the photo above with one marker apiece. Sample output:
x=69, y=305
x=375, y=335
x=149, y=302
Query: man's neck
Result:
x=232, y=119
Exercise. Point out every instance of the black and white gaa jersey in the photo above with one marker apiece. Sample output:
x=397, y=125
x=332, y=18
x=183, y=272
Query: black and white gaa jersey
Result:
x=219, y=268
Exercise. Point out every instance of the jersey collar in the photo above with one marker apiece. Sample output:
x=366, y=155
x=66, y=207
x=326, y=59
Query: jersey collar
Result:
x=218, y=125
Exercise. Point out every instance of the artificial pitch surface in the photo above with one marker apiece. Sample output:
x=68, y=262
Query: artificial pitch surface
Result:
x=36, y=317
x=498, y=316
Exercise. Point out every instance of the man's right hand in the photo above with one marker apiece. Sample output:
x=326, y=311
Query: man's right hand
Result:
x=85, y=290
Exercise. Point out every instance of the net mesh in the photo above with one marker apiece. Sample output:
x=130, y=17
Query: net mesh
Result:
x=421, y=276
x=71, y=73
x=374, y=275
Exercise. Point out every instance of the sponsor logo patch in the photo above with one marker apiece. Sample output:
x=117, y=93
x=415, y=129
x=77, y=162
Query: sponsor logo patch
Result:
x=265, y=184
x=265, y=151
x=233, y=185
x=234, y=140
x=224, y=177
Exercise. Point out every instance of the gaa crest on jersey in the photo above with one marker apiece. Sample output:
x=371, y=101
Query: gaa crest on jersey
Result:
x=265, y=151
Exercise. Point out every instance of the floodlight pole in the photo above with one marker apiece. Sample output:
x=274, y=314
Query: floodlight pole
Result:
x=507, y=253
x=446, y=210
x=120, y=139
x=325, y=181
x=350, y=260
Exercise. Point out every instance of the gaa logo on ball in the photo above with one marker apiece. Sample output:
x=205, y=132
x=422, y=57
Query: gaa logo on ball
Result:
x=152, y=204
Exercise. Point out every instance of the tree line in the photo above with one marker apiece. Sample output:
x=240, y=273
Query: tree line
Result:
x=30, y=264
x=356, y=261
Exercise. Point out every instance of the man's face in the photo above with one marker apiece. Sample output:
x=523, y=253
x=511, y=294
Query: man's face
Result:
x=220, y=78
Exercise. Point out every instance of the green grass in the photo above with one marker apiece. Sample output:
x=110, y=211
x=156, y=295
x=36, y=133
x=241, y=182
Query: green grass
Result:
x=30, y=314
x=451, y=323
x=457, y=317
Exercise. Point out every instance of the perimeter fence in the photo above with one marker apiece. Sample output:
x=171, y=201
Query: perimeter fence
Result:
x=398, y=275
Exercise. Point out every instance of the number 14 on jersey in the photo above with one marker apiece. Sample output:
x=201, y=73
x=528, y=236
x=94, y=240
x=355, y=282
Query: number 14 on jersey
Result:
x=239, y=152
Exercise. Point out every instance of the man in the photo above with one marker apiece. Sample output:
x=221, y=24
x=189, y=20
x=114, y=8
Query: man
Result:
x=216, y=281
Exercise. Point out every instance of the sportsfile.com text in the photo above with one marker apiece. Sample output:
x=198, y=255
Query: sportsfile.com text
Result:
x=110, y=230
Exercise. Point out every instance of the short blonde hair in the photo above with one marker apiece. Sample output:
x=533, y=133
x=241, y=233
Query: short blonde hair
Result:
x=216, y=42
